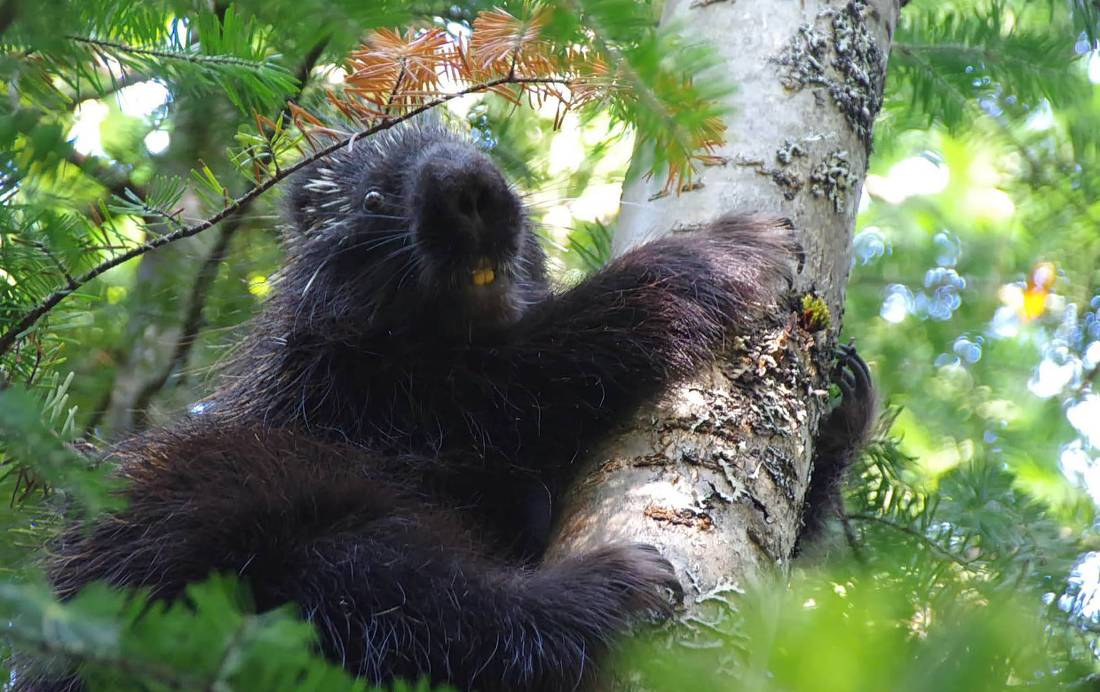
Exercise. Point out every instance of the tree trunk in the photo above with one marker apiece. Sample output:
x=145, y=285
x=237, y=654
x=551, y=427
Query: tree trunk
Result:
x=715, y=473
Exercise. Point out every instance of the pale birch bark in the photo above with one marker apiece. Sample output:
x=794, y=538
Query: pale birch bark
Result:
x=716, y=473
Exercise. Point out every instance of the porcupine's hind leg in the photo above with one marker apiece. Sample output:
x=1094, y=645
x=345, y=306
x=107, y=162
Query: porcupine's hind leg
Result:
x=841, y=435
x=392, y=607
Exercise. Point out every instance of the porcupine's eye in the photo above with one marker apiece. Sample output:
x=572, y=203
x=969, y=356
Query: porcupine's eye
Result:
x=372, y=201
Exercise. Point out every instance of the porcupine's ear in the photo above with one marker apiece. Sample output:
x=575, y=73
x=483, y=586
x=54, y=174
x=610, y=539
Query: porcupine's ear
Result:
x=300, y=203
x=296, y=201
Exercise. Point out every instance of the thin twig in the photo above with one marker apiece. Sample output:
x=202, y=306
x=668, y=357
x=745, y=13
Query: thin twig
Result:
x=925, y=540
x=114, y=178
x=7, y=340
x=197, y=58
x=200, y=289
x=309, y=61
x=126, y=79
x=7, y=14
x=70, y=281
x=852, y=540
x=192, y=322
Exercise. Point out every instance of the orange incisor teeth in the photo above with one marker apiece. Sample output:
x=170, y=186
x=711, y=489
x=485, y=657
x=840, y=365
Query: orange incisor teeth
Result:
x=483, y=273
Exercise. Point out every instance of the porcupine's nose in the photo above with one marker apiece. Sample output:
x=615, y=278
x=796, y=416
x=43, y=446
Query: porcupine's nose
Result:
x=465, y=210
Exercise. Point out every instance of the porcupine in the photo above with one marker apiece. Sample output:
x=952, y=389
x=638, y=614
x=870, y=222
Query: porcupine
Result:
x=388, y=447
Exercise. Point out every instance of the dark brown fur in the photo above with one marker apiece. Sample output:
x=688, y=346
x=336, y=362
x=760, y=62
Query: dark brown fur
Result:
x=841, y=435
x=388, y=448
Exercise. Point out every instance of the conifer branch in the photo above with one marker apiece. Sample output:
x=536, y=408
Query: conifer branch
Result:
x=44, y=306
x=393, y=78
x=184, y=56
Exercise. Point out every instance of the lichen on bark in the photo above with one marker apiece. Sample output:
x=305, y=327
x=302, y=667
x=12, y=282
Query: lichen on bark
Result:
x=837, y=52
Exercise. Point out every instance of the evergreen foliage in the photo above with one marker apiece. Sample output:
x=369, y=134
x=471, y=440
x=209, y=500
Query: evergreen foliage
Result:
x=967, y=558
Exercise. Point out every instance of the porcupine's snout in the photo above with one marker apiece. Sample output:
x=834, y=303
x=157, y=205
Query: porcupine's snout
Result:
x=465, y=216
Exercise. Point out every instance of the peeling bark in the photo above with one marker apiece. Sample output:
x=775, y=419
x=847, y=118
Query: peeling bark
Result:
x=715, y=474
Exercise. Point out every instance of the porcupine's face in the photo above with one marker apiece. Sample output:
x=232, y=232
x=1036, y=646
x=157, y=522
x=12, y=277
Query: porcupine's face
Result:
x=414, y=226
